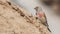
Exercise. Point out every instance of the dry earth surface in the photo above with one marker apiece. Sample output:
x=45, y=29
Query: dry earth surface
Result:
x=16, y=20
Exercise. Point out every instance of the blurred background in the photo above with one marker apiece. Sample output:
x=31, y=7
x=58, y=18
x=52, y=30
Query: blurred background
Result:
x=50, y=7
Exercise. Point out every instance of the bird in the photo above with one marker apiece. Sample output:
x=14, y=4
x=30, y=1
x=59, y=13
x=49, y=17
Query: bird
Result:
x=41, y=16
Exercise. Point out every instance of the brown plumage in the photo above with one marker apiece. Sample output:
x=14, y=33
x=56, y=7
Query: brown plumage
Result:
x=42, y=17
